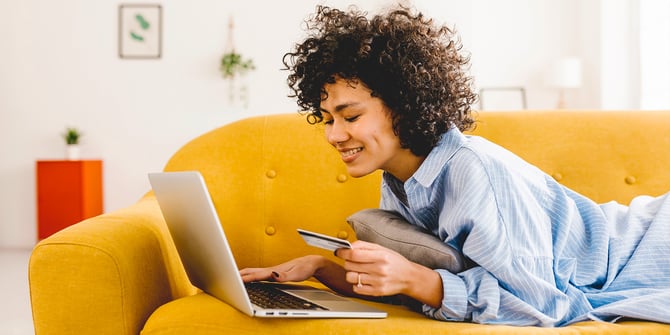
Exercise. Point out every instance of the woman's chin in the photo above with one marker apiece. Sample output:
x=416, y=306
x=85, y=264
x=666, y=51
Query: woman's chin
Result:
x=357, y=173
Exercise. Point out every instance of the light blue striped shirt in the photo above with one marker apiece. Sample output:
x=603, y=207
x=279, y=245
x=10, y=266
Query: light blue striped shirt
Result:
x=544, y=255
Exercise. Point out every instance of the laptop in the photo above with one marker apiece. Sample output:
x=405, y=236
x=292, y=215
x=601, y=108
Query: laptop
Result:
x=209, y=263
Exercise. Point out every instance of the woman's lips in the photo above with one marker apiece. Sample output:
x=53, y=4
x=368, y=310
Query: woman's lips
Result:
x=350, y=154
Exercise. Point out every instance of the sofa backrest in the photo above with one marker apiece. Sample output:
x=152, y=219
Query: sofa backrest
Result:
x=269, y=175
x=605, y=155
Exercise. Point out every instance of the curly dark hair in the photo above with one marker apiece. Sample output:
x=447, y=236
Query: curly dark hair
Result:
x=414, y=66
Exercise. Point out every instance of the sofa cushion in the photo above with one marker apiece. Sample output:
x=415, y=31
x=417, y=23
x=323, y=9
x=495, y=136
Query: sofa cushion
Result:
x=392, y=231
x=202, y=314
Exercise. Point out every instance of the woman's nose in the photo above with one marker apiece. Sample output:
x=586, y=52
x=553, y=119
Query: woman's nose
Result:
x=336, y=133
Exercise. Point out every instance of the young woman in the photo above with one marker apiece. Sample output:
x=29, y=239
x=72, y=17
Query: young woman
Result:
x=393, y=94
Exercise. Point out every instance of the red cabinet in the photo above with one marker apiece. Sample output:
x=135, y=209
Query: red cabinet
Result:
x=67, y=192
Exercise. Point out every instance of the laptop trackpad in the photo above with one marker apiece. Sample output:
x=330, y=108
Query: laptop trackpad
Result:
x=316, y=295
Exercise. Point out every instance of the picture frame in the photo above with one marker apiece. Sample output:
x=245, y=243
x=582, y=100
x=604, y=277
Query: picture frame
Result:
x=502, y=98
x=140, y=31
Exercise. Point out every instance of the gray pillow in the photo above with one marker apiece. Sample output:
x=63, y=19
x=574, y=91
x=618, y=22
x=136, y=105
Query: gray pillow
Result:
x=392, y=231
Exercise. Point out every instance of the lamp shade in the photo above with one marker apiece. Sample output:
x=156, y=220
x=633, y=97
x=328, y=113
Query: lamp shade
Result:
x=566, y=73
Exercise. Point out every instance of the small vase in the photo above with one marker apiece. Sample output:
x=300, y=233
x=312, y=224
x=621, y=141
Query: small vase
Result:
x=72, y=152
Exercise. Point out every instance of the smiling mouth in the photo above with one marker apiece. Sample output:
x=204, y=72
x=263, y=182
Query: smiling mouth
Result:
x=349, y=153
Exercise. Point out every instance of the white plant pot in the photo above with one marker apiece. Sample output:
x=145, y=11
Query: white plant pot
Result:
x=72, y=152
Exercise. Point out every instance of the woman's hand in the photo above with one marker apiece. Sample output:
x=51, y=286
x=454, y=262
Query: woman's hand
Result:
x=369, y=270
x=377, y=271
x=295, y=270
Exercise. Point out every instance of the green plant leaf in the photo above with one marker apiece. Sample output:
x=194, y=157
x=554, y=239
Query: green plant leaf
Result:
x=136, y=37
x=71, y=135
x=143, y=23
x=233, y=64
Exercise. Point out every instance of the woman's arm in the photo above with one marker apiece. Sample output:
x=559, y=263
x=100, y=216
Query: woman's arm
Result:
x=383, y=272
x=499, y=219
x=296, y=270
x=299, y=269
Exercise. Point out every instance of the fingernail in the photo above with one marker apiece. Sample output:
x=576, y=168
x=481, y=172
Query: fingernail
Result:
x=275, y=274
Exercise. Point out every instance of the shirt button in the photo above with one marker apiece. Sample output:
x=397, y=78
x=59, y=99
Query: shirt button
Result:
x=270, y=230
x=271, y=174
x=343, y=235
x=342, y=178
x=557, y=176
x=630, y=180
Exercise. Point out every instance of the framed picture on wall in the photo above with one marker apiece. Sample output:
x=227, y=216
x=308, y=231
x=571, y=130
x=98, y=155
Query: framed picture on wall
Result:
x=140, y=31
x=502, y=98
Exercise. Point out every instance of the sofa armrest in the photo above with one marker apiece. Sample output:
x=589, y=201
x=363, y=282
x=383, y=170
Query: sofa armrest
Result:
x=105, y=275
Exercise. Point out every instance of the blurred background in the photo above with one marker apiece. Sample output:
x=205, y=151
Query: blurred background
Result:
x=61, y=67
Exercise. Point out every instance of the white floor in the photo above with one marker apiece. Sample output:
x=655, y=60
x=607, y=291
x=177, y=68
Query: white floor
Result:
x=15, y=314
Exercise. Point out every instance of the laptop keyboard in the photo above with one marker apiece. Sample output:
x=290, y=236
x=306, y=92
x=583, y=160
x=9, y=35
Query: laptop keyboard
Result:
x=269, y=297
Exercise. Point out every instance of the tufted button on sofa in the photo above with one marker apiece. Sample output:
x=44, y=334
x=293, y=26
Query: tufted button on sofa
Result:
x=119, y=273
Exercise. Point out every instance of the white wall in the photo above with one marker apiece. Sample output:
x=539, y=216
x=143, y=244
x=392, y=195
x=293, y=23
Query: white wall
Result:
x=617, y=77
x=516, y=42
x=59, y=67
x=654, y=54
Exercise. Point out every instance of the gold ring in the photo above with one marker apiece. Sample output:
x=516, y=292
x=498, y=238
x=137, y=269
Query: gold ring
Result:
x=359, y=280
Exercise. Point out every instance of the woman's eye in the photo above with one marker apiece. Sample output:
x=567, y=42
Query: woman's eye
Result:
x=327, y=122
x=352, y=119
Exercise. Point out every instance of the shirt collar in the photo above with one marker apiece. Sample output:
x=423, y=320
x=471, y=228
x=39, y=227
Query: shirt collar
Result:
x=431, y=167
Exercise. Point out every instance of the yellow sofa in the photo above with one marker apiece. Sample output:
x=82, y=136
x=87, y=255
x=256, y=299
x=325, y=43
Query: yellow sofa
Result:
x=119, y=273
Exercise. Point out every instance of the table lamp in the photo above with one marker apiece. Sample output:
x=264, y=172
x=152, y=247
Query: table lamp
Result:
x=565, y=74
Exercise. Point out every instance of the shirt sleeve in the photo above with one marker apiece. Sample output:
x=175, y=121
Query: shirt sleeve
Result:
x=494, y=213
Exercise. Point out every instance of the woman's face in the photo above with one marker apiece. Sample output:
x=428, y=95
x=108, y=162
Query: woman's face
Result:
x=359, y=126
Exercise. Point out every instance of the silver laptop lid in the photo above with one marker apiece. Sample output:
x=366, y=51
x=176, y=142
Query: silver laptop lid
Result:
x=197, y=233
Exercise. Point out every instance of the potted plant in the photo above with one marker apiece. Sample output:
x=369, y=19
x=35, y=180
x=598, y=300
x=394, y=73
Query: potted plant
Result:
x=72, y=136
x=233, y=68
x=232, y=65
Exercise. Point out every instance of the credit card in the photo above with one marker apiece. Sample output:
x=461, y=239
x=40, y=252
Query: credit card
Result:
x=323, y=241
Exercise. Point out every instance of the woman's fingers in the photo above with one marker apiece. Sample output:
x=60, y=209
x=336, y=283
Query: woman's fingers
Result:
x=255, y=274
